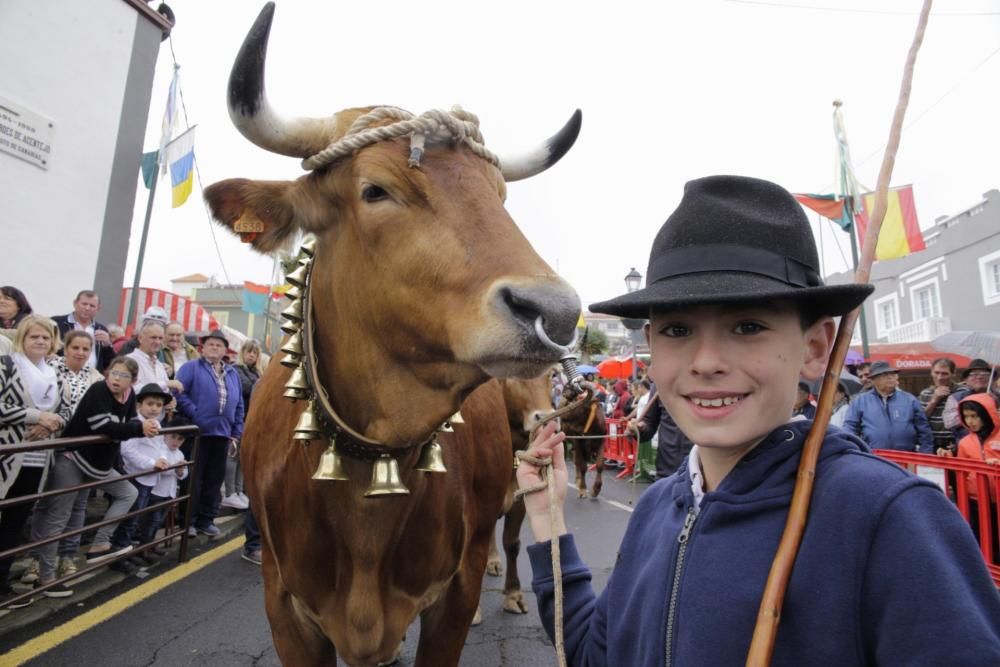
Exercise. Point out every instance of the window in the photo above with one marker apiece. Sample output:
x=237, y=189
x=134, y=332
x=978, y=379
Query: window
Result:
x=886, y=314
x=925, y=303
x=989, y=274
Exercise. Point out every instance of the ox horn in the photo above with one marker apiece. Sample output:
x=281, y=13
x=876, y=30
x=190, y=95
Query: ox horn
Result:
x=250, y=110
x=526, y=165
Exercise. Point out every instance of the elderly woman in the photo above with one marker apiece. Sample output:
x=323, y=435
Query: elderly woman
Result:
x=249, y=369
x=14, y=307
x=76, y=374
x=30, y=404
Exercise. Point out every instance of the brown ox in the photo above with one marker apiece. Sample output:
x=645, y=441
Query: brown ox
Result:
x=586, y=422
x=422, y=289
x=526, y=402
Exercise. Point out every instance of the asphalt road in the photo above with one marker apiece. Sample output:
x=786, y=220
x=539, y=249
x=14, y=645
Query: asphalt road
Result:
x=216, y=616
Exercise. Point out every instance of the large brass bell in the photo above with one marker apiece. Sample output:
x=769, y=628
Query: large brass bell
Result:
x=299, y=276
x=294, y=312
x=431, y=458
x=308, y=426
x=293, y=351
x=309, y=247
x=331, y=466
x=297, y=388
x=291, y=328
x=293, y=293
x=385, y=478
x=457, y=418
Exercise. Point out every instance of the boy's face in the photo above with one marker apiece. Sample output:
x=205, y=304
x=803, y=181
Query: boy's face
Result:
x=173, y=440
x=972, y=420
x=150, y=407
x=729, y=375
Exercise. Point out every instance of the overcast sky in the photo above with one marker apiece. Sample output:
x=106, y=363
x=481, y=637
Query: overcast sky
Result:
x=669, y=92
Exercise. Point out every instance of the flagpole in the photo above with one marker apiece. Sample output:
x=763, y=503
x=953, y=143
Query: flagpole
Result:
x=134, y=301
x=862, y=320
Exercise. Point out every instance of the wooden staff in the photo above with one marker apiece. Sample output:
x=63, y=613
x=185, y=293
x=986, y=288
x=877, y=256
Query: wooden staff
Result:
x=769, y=615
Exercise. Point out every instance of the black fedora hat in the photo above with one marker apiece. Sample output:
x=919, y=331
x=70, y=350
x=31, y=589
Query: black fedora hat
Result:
x=977, y=365
x=739, y=240
x=215, y=333
x=153, y=389
x=880, y=368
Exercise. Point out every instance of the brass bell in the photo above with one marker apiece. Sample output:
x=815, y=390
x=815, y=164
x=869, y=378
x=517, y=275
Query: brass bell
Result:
x=294, y=312
x=431, y=458
x=299, y=276
x=308, y=426
x=293, y=293
x=293, y=351
x=457, y=418
x=385, y=478
x=291, y=328
x=291, y=360
x=331, y=466
x=446, y=428
x=297, y=388
x=309, y=247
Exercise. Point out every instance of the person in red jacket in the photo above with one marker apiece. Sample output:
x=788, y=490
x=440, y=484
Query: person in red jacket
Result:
x=979, y=414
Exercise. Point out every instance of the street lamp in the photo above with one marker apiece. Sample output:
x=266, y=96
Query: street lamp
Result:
x=633, y=280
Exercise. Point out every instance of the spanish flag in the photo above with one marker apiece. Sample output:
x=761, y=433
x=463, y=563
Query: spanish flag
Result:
x=900, y=234
x=180, y=156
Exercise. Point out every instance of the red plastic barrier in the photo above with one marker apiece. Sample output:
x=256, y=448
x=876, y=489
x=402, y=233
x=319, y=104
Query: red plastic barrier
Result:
x=620, y=448
x=986, y=488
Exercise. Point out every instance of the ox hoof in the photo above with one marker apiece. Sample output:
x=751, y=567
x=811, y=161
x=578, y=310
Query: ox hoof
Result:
x=513, y=603
x=494, y=567
x=596, y=491
x=581, y=493
x=478, y=618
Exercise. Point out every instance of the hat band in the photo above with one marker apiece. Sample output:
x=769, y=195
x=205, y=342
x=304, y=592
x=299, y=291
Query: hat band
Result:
x=738, y=259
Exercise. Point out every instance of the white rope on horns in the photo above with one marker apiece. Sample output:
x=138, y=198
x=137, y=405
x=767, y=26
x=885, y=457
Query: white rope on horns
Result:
x=457, y=125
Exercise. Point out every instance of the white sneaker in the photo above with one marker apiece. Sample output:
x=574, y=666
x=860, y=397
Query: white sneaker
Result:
x=234, y=502
x=244, y=497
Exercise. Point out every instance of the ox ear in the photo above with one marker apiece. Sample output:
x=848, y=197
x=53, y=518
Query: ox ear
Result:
x=262, y=209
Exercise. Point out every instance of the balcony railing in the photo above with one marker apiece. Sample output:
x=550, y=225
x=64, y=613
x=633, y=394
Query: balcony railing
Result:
x=920, y=331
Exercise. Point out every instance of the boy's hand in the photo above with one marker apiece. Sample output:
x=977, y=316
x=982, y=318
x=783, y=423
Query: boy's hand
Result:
x=943, y=451
x=161, y=464
x=150, y=428
x=547, y=444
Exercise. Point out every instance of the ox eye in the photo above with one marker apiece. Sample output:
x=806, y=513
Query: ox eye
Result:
x=373, y=193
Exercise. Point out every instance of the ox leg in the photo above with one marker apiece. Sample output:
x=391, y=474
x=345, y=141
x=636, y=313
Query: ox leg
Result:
x=513, y=598
x=445, y=625
x=598, y=469
x=580, y=456
x=297, y=640
x=494, y=567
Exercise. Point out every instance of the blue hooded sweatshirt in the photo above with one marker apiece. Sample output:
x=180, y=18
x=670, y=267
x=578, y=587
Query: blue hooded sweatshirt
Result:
x=888, y=572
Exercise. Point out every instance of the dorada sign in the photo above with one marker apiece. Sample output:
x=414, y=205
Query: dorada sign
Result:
x=25, y=134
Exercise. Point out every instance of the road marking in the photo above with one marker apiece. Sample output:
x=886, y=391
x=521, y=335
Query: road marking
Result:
x=621, y=506
x=48, y=641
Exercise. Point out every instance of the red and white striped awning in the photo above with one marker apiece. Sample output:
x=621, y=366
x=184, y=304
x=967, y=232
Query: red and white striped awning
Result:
x=178, y=308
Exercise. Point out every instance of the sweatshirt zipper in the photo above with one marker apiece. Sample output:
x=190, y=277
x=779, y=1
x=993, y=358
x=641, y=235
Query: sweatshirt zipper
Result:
x=682, y=540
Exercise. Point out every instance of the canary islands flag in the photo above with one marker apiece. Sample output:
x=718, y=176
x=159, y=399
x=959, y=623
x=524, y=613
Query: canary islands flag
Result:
x=180, y=157
x=255, y=297
x=900, y=234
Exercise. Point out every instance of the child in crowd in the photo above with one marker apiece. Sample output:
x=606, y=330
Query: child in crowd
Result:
x=165, y=487
x=979, y=415
x=887, y=572
x=107, y=408
x=144, y=454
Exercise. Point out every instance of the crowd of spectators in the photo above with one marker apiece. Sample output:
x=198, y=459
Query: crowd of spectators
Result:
x=70, y=375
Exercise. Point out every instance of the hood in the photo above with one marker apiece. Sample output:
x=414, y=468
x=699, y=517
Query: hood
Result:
x=621, y=387
x=986, y=407
x=770, y=468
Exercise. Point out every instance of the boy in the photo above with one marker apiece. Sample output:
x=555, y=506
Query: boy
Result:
x=165, y=487
x=144, y=454
x=887, y=572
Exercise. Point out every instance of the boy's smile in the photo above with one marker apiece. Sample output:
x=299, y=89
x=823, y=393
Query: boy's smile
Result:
x=729, y=375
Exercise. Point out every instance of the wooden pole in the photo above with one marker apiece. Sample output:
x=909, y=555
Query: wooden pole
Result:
x=769, y=615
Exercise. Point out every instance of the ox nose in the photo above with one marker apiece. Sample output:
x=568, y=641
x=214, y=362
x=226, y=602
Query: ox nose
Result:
x=555, y=302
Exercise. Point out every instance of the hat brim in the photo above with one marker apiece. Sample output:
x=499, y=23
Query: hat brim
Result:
x=218, y=338
x=725, y=287
x=159, y=394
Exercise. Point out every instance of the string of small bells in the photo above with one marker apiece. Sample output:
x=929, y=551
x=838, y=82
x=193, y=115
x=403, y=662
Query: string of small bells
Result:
x=386, y=480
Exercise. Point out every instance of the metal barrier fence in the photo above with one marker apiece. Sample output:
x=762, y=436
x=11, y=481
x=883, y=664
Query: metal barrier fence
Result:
x=75, y=443
x=954, y=475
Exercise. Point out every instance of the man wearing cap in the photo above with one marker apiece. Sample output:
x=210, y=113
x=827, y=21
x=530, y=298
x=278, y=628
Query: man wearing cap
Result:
x=976, y=379
x=85, y=307
x=152, y=314
x=888, y=417
x=151, y=369
x=213, y=400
